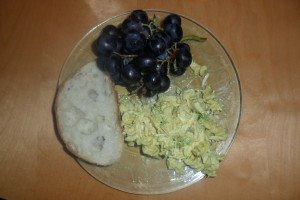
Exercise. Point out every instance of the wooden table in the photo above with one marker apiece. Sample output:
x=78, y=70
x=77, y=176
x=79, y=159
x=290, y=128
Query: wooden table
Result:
x=263, y=38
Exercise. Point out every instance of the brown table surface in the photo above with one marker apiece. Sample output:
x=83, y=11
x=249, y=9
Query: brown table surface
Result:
x=263, y=38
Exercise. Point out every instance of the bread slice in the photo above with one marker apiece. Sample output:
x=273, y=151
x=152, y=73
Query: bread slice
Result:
x=88, y=116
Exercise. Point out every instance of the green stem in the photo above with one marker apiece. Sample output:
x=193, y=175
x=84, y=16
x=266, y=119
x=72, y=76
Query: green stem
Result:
x=193, y=38
x=126, y=56
x=154, y=19
x=149, y=26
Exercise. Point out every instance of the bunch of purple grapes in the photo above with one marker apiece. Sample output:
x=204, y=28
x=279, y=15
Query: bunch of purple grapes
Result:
x=139, y=54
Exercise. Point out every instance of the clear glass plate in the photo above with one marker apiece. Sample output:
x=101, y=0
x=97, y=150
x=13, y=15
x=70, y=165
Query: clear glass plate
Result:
x=138, y=174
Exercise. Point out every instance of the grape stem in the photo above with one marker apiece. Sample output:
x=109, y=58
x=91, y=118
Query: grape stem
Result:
x=126, y=56
x=135, y=91
x=159, y=60
x=193, y=38
x=155, y=21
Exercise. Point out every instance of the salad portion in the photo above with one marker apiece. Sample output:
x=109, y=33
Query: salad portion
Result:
x=179, y=125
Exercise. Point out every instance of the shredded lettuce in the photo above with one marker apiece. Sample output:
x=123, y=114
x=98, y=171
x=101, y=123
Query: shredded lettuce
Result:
x=179, y=127
x=199, y=70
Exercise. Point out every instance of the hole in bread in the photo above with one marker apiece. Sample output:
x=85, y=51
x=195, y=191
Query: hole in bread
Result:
x=99, y=142
x=93, y=94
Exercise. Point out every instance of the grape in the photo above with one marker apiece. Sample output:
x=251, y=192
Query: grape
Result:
x=130, y=24
x=101, y=62
x=171, y=19
x=183, y=58
x=111, y=30
x=139, y=15
x=114, y=64
x=152, y=80
x=146, y=62
x=134, y=42
x=106, y=44
x=130, y=74
x=174, y=31
x=183, y=46
x=157, y=45
x=167, y=39
x=145, y=31
x=175, y=70
x=164, y=83
x=163, y=68
x=118, y=79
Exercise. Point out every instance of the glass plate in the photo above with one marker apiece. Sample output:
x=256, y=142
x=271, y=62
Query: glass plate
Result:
x=138, y=174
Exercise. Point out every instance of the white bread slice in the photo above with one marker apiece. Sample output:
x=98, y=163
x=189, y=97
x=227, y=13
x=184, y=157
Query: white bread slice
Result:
x=88, y=116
